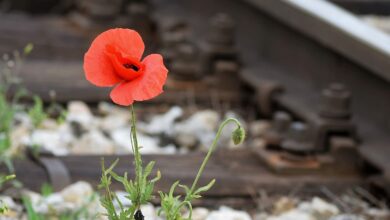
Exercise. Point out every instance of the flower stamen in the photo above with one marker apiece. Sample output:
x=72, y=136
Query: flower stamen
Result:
x=131, y=66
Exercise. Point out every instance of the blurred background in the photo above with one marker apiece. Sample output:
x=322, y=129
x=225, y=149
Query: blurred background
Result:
x=309, y=79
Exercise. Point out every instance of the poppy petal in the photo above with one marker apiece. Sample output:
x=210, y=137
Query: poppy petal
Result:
x=98, y=67
x=128, y=41
x=145, y=87
x=126, y=67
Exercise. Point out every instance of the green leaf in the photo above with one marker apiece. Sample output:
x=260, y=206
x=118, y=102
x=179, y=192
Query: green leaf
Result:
x=173, y=187
x=20, y=93
x=205, y=188
x=3, y=208
x=117, y=177
x=31, y=213
x=6, y=115
x=186, y=188
x=46, y=189
x=28, y=48
x=112, y=166
x=37, y=113
x=157, y=178
x=148, y=169
x=5, y=142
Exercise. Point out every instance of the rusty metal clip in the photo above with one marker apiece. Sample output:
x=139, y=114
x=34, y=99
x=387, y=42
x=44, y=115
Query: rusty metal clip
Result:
x=56, y=171
x=266, y=91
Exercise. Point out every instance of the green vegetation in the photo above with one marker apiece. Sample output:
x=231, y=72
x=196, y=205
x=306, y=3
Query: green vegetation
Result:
x=172, y=206
x=3, y=179
x=139, y=191
x=80, y=213
x=37, y=113
x=9, y=79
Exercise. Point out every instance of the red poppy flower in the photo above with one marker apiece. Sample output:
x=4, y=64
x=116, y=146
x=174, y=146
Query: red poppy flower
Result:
x=114, y=59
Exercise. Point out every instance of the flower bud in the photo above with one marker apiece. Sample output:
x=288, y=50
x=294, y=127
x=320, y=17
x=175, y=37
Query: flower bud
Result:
x=238, y=135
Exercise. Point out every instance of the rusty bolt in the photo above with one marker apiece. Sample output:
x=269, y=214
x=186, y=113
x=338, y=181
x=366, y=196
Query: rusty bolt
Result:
x=336, y=102
x=138, y=9
x=222, y=30
x=186, y=63
x=100, y=8
x=281, y=121
x=280, y=124
x=187, y=51
x=226, y=67
x=298, y=139
x=227, y=71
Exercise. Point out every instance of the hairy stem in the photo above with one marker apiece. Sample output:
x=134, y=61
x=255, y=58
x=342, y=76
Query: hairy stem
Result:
x=211, y=150
x=137, y=156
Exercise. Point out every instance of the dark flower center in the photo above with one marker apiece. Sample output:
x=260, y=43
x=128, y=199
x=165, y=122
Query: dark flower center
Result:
x=131, y=66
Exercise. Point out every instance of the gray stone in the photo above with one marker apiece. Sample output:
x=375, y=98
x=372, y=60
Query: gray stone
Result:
x=292, y=215
x=163, y=123
x=93, y=142
x=225, y=213
x=258, y=128
x=79, y=112
x=347, y=217
x=200, y=126
x=50, y=140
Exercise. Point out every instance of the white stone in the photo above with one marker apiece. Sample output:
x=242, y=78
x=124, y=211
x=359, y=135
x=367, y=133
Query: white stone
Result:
x=106, y=108
x=19, y=136
x=53, y=204
x=261, y=216
x=33, y=196
x=149, y=212
x=200, y=213
x=10, y=203
x=322, y=206
x=379, y=214
x=225, y=213
x=54, y=140
x=347, y=217
x=283, y=204
x=93, y=142
x=169, y=149
x=186, y=140
x=114, y=121
x=258, y=128
x=162, y=123
x=79, y=112
x=49, y=124
x=50, y=140
x=96, y=210
x=69, y=200
x=292, y=215
x=78, y=193
x=202, y=126
x=23, y=119
x=148, y=144
x=122, y=196
x=319, y=208
x=121, y=138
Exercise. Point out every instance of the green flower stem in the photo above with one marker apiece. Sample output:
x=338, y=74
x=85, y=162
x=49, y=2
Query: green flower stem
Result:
x=137, y=155
x=211, y=150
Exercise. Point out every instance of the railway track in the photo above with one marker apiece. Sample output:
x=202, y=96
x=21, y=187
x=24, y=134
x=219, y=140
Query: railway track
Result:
x=328, y=74
x=240, y=175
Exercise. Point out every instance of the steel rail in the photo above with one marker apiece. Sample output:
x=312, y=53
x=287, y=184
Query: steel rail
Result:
x=335, y=28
